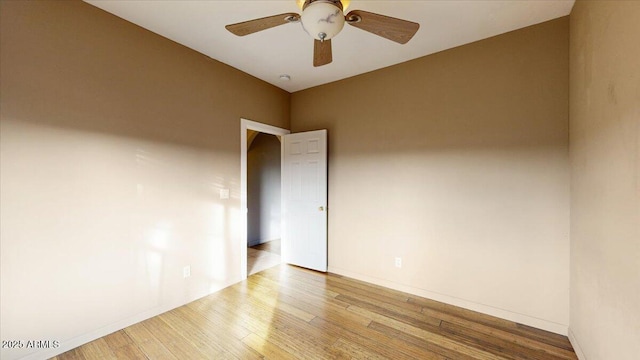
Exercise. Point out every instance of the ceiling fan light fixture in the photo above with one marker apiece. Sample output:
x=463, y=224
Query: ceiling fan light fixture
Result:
x=322, y=20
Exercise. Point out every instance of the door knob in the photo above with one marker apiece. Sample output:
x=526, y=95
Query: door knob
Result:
x=321, y=208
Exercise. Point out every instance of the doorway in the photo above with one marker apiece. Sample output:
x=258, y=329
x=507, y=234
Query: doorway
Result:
x=263, y=201
x=259, y=222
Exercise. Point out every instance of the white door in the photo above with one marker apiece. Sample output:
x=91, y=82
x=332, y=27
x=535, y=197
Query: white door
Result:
x=304, y=199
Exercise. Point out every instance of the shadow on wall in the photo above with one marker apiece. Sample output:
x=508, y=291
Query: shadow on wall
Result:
x=263, y=189
x=456, y=162
x=71, y=65
x=115, y=145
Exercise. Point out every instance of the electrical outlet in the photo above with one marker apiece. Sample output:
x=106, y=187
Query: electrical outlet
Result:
x=398, y=262
x=186, y=271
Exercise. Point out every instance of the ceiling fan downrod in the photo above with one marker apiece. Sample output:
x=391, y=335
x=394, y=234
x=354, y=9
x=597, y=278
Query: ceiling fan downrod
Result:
x=336, y=3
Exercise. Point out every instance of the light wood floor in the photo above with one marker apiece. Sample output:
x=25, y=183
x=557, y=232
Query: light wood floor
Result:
x=288, y=313
x=272, y=246
x=263, y=256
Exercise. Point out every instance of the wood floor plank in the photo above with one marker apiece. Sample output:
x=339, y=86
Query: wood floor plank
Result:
x=131, y=351
x=266, y=348
x=505, y=335
x=382, y=344
x=293, y=290
x=358, y=337
x=547, y=337
x=351, y=285
x=173, y=340
x=285, y=331
x=273, y=298
x=225, y=323
x=506, y=325
x=138, y=333
x=98, y=349
x=421, y=343
x=357, y=352
x=193, y=334
x=118, y=339
x=427, y=335
x=302, y=346
x=371, y=294
x=242, y=315
x=219, y=329
x=291, y=334
x=494, y=345
x=73, y=354
x=287, y=312
x=395, y=312
x=301, y=284
x=271, y=308
x=315, y=305
x=151, y=346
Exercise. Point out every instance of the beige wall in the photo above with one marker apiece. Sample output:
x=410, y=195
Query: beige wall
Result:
x=605, y=179
x=114, y=145
x=115, y=142
x=458, y=163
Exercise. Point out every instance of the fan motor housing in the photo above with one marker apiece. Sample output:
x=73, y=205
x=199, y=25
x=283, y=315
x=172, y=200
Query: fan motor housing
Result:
x=337, y=3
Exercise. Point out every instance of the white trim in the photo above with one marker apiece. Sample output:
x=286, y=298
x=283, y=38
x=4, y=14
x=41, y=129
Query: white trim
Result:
x=245, y=125
x=86, y=338
x=482, y=308
x=106, y=330
x=576, y=345
x=96, y=334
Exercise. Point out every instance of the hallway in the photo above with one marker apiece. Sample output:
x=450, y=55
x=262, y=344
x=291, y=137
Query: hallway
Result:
x=263, y=256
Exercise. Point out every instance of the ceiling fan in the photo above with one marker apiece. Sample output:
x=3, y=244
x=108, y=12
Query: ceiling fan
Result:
x=324, y=19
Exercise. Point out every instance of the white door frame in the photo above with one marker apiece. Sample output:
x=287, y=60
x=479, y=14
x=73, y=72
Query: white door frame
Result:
x=245, y=125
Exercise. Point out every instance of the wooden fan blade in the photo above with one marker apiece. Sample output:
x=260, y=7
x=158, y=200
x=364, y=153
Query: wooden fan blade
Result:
x=398, y=30
x=252, y=26
x=322, y=52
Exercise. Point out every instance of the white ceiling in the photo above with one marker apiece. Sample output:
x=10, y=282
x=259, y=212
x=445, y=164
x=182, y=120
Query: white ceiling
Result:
x=287, y=49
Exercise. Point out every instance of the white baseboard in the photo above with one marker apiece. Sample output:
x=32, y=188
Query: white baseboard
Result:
x=482, y=308
x=504, y=314
x=96, y=334
x=106, y=330
x=253, y=243
x=259, y=241
x=576, y=346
